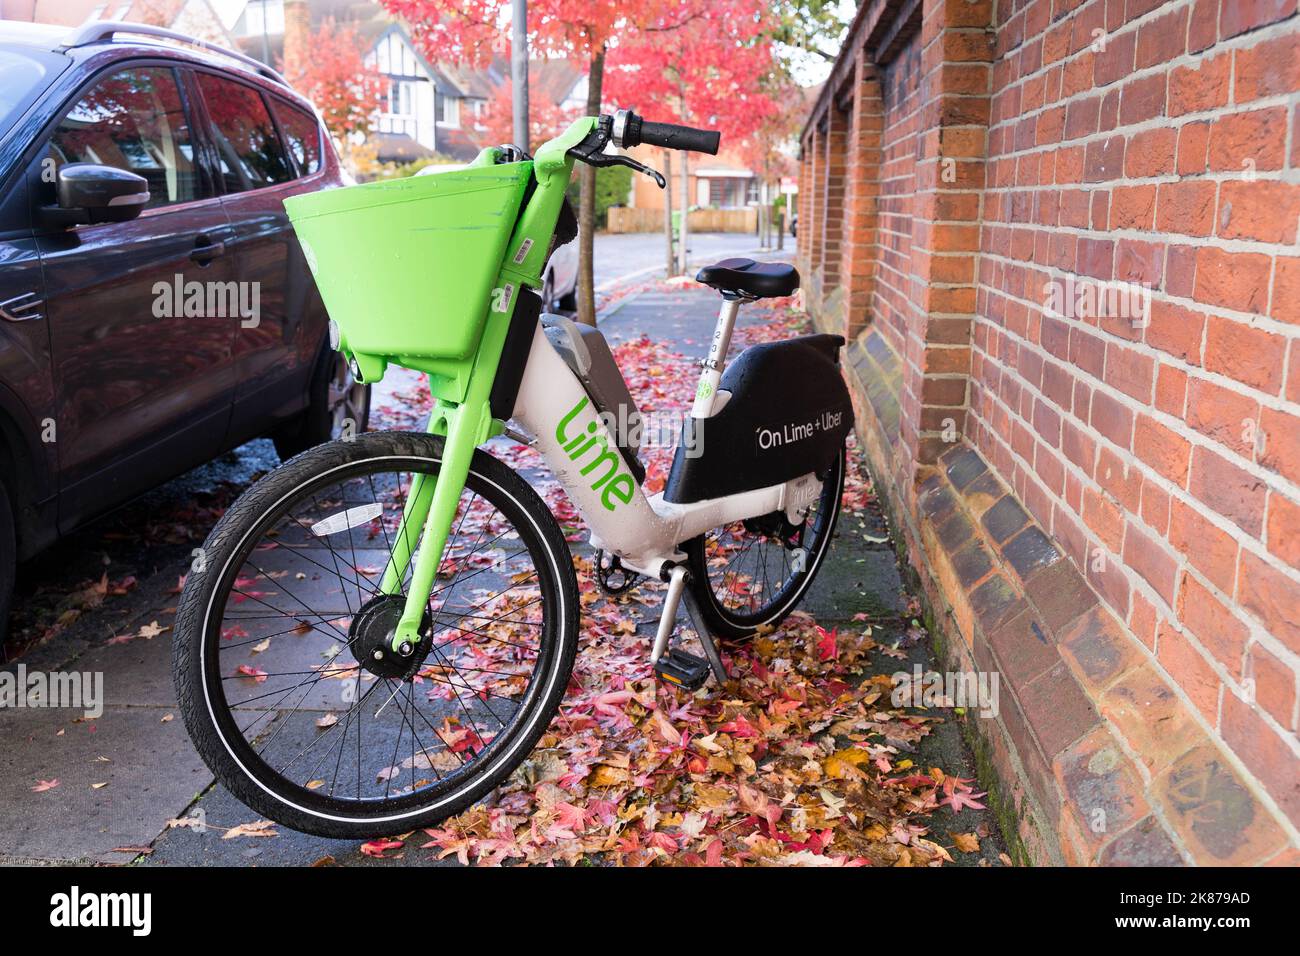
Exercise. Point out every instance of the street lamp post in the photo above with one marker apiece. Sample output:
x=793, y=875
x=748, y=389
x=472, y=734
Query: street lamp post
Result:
x=519, y=71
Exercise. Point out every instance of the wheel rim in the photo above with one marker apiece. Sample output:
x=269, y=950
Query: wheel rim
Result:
x=754, y=576
x=349, y=400
x=392, y=746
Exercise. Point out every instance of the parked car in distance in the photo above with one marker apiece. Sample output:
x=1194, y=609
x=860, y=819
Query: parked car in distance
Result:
x=155, y=307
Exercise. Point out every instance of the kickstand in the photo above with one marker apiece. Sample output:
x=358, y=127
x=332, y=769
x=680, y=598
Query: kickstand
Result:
x=672, y=663
x=707, y=640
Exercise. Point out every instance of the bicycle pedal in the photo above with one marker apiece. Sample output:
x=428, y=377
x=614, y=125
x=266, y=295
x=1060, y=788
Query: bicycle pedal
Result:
x=681, y=669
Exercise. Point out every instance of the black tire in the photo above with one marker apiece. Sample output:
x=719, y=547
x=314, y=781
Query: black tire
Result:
x=723, y=613
x=335, y=399
x=244, y=760
x=8, y=560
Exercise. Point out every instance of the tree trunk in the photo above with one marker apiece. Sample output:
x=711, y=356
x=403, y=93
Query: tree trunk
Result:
x=671, y=269
x=684, y=231
x=587, y=203
x=782, y=222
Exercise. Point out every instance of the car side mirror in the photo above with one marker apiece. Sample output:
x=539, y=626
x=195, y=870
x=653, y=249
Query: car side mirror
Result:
x=91, y=193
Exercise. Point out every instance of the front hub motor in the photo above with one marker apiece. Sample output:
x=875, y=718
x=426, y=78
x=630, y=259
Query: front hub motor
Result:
x=370, y=638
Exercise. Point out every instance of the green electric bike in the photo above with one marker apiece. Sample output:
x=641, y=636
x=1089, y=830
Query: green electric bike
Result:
x=378, y=632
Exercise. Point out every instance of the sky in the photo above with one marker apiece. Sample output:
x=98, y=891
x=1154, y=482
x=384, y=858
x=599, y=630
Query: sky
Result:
x=809, y=69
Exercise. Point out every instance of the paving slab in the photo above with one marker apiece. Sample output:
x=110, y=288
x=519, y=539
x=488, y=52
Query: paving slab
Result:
x=142, y=756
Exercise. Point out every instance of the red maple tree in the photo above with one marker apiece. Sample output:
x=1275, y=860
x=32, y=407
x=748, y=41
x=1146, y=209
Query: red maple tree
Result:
x=714, y=74
x=337, y=79
x=473, y=31
x=496, y=123
x=721, y=74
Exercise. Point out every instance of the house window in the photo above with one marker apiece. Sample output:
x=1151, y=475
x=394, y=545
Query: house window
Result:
x=448, y=111
x=398, y=115
x=728, y=192
x=400, y=98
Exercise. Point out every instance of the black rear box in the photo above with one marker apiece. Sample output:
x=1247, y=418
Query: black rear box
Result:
x=788, y=414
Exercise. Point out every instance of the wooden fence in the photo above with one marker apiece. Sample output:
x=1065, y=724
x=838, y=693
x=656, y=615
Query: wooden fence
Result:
x=628, y=219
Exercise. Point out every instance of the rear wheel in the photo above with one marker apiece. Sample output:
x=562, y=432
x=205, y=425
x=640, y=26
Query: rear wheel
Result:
x=752, y=573
x=283, y=662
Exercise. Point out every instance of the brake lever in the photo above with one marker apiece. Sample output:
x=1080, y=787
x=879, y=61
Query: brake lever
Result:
x=592, y=152
x=650, y=171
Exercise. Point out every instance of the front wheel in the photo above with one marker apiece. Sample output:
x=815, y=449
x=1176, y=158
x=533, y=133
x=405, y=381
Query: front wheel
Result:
x=283, y=662
x=752, y=573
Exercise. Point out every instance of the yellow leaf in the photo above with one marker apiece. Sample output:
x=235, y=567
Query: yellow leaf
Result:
x=606, y=776
x=966, y=842
x=151, y=630
x=259, y=828
x=845, y=763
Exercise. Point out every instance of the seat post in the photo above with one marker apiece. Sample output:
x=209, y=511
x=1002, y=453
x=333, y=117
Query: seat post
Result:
x=711, y=367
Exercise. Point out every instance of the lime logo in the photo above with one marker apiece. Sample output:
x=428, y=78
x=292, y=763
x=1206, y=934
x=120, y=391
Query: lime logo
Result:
x=617, y=484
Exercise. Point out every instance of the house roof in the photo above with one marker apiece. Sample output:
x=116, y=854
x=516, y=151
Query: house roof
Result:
x=552, y=80
x=398, y=148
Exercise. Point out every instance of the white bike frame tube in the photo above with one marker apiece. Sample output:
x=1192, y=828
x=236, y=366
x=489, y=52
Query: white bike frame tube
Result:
x=706, y=392
x=580, y=449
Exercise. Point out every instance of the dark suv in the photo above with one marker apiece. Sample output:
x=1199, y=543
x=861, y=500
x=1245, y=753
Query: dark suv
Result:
x=155, y=308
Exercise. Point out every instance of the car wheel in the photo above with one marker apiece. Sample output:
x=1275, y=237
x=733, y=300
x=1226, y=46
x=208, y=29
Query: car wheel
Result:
x=340, y=408
x=548, y=293
x=8, y=558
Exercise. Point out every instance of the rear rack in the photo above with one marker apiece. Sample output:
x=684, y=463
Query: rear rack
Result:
x=101, y=30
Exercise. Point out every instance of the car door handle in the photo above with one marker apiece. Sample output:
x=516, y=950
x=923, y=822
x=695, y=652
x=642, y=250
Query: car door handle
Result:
x=205, y=250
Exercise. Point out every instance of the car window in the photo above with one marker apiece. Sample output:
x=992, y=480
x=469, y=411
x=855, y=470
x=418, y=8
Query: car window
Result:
x=22, y=76
x=248, y=149
x=134, y=120
x=302, y=136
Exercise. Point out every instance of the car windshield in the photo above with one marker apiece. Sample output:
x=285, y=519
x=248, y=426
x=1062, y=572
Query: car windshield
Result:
x=23, y=75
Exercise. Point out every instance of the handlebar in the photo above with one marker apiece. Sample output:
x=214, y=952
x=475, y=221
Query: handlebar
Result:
x=631, y=130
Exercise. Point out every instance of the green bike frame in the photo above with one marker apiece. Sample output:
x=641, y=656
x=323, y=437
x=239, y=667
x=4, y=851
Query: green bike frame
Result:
x=461, y=413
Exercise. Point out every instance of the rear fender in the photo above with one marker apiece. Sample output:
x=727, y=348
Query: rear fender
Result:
x=788, y=414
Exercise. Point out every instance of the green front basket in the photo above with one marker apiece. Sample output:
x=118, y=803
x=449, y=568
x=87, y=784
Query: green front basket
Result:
x=406, y=267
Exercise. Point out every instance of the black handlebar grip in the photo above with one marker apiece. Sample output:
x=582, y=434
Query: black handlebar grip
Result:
x=672, y=136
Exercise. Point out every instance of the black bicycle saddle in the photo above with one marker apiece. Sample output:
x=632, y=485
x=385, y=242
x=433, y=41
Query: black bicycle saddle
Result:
x=753, y=280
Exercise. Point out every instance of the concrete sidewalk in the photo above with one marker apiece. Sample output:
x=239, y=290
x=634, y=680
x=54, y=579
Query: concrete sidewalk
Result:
x=122, y=777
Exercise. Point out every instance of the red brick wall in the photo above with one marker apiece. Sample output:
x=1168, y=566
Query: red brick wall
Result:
x=1033, y=150
x=1147, y=142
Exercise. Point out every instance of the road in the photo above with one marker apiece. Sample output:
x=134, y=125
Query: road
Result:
x=641, y=255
